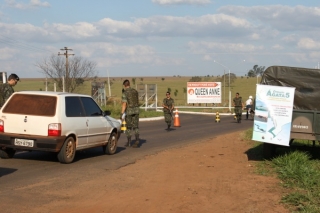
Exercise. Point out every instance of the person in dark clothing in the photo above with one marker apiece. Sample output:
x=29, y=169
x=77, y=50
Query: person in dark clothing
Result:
x=238, y=106
x=130, y=106
x=168, y=106
x=6, y=89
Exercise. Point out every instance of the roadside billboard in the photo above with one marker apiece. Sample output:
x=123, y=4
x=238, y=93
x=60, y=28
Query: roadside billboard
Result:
x=204, y=92
x=273, y=114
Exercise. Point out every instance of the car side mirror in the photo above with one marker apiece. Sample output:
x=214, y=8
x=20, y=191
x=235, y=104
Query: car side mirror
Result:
x=107, y=112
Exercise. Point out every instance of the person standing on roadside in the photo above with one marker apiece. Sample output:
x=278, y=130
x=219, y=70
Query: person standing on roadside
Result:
x=130, y=106
x=238, y=105
x=248, y=106
x=168, y=106
x=7, y=88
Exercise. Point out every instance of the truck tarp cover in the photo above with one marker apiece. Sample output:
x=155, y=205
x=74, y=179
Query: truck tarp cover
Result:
x=306, y=81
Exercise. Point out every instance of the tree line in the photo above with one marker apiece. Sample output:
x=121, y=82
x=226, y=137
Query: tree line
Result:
x=77, y=69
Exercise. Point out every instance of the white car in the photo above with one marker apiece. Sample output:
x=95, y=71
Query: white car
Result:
x=55, y=122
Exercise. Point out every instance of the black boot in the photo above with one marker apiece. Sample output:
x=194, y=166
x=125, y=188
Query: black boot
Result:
x=169, y=127
x=129, y=142
x=136, y=144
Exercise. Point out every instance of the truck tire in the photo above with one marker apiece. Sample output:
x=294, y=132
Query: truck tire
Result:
x=269, y=150
x=111, y=147
x=7, y=153
x=67, y=151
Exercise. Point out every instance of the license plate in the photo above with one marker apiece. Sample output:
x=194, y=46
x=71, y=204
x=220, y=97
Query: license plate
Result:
x=23, y=142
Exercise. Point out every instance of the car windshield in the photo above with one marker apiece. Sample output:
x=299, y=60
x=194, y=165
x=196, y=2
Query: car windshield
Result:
x=39, y=105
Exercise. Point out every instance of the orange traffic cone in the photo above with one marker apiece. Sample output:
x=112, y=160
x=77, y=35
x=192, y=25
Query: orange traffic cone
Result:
x=176, y=122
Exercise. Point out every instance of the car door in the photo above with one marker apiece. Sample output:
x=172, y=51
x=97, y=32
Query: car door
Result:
x=98, y=126
x=76, y=120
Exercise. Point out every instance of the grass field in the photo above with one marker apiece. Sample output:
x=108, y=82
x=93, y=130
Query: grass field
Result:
x=245, y=86
x=298, y=168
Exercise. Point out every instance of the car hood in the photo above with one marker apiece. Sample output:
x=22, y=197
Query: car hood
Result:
x=113, y=122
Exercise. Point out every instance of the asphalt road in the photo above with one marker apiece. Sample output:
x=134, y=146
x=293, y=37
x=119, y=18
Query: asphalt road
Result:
x=32, y=167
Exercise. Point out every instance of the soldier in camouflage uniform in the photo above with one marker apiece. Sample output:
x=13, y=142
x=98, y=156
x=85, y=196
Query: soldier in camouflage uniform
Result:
x=6, y=89
x=168, y=105
x=238, y=105
x=130, y=106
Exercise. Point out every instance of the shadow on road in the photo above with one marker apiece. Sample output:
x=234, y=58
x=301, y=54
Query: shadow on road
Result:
x=52, y=157
x=6, y=171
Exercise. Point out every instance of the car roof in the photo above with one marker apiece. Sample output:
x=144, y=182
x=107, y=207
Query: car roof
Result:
x=51, y=93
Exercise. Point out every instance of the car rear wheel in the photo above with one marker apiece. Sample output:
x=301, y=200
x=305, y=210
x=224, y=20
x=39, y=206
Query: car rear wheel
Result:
x=68, y=151
x=111, y=147
x=7, y=153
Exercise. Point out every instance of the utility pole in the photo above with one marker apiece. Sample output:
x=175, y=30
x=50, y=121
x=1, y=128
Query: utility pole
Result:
x=109, y=84
x=46, y=84
x=67, y=65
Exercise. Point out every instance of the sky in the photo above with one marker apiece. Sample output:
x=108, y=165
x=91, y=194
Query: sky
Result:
x=140, y=38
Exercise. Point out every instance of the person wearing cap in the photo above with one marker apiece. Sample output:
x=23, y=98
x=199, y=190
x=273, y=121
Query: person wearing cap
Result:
x=238, y=106
x=248, y=106
x=168, y=106
x=7, y=88
x=130, y=107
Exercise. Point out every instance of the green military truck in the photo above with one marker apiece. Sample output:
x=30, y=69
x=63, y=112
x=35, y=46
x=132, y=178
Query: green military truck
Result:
x=306, y=107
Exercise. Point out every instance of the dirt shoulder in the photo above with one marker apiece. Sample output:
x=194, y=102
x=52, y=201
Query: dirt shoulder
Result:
x=214, y=175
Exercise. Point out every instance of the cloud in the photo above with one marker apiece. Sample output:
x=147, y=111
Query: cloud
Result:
x=155, y=28
x=115, y=57
x=171, y=26
x=38, y=3
x=123, y=54
x=80, y=30
x=291, y=38
x=277, y=47
x=308, y=44
x=280, y=17
x=219, y=48
x=6, y=53
x=266, y=34
x=30, y=5
x=175, y=2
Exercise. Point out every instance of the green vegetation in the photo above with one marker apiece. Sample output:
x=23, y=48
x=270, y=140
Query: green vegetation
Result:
x=244, y=85
x=298, y=168
x=116, y=111
x=299, y=173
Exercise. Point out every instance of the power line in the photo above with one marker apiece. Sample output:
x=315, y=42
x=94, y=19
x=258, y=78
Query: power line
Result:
x=19, y=44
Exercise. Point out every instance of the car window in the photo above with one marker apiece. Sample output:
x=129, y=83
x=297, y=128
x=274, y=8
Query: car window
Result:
x=39, y=105
x=90, y=106
x=74, y=107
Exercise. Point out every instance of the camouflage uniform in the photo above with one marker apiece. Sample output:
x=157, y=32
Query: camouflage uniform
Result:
x=6, y=90
x=238, y=107
x=130, y=96
x=167, y=113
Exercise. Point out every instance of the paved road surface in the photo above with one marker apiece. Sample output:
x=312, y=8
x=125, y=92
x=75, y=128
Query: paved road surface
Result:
x=32, y=167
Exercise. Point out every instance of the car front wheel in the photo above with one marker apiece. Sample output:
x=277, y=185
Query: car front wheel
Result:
x=111, y=147
x=68, y=151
